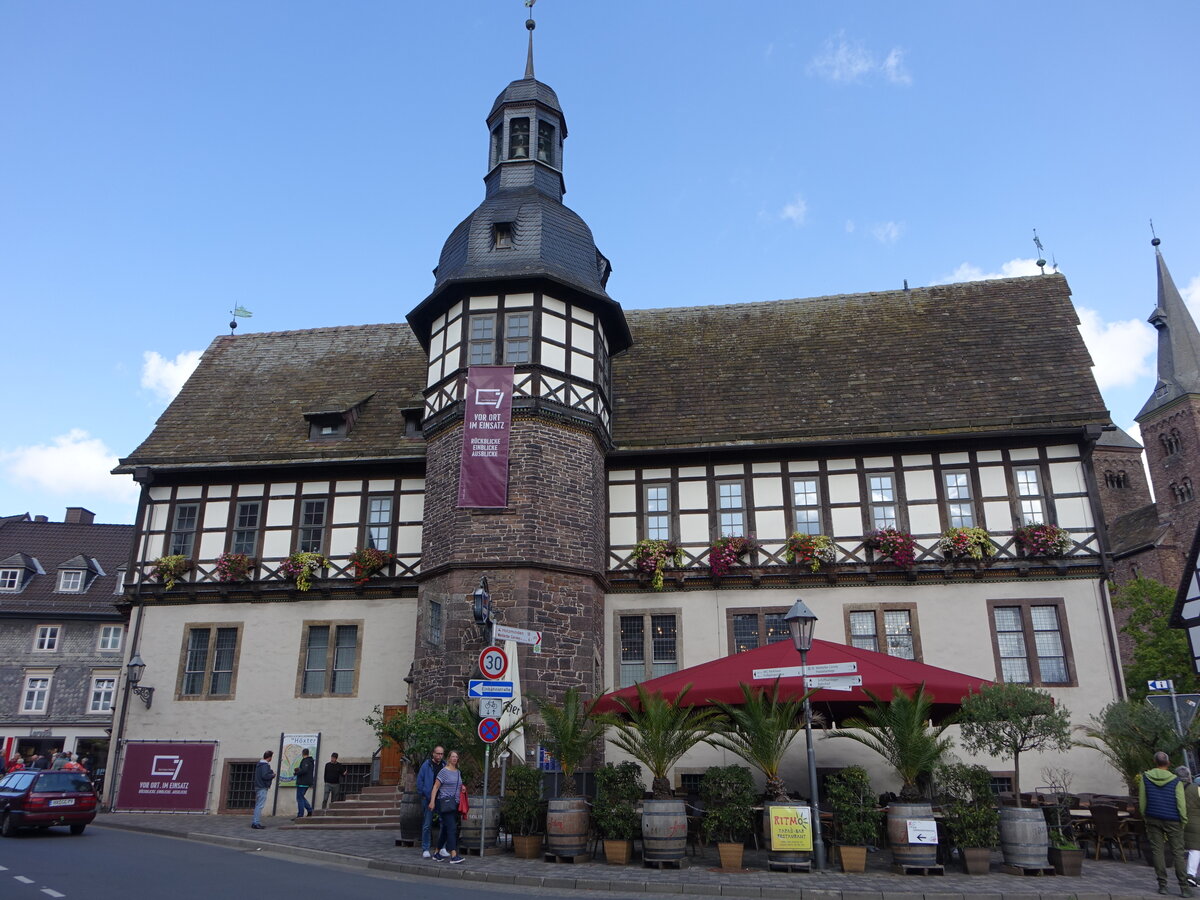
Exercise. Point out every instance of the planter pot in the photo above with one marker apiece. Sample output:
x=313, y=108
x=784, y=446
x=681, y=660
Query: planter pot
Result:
x=977, y=860
x=904, y=853
x=1066, y=862
x=782, y=857
x=730, y=854
x=853, y=859
x=411, y=814
x=618, y=853
x=567, y=826
x=664, y=830
x=1024, y=837
x=527, y=846
x=483, y=818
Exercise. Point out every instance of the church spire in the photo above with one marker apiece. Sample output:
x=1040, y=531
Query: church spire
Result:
x=530, y=24
x=1178, y=343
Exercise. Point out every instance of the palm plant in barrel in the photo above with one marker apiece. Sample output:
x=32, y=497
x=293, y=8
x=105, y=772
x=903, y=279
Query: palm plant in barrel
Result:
x=759, y=730
x=569, y=734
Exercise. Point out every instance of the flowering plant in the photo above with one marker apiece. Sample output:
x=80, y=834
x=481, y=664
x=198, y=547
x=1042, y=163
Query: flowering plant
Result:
x=234, y=567
x=726, y=551
x=300, y=567
x=964, y=542
x=810, y=550
x=652, y=556
x=1043, y=540
x=367, y=561
x=171, y=568
x=893, y=543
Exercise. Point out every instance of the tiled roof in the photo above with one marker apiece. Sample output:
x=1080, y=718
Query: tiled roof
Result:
x=53, y=544
x=1137, y=530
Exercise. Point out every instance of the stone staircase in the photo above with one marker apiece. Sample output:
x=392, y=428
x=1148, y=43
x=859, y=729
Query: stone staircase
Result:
x=376, y=808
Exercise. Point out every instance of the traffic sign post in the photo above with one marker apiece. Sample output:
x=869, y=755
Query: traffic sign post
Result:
x=491, y=707
x=493, y=662
x=839, y=668
x=489, y=730
x=477, y=688
x=519, y=635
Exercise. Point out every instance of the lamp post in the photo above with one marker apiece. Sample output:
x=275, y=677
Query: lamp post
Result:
x=134, y=670
x=802, y=622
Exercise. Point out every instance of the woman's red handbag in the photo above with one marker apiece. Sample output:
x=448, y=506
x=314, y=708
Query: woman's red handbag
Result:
x=464, y=805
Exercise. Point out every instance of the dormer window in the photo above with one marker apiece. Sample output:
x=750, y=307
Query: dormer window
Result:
x=335, y=420
x=518, y=139
x=545, y=148
x=10, y=579
x=70, y=581
x=17, y=571
x=502, y=236
x=77, y=574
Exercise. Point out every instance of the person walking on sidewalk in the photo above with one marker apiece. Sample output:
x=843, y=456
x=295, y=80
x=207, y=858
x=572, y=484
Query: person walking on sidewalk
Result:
x=306, y=776
x=263, y=776
x=332, y=776
x=446, y=789
x=1164, y=808
x=425, y=778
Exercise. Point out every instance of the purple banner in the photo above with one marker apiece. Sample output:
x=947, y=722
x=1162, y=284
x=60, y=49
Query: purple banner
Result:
x=166, y=775
x=483, y=473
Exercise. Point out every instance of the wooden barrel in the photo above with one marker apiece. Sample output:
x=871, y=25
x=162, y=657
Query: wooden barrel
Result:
x=481, y=817
x=903, y=852
x=781, y=857
x=664, y=830
x=411, y=814
x=567, y=826
x=1024, y=837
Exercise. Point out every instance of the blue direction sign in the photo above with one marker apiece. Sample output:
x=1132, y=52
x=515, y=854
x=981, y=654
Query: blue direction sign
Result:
x=480, y=688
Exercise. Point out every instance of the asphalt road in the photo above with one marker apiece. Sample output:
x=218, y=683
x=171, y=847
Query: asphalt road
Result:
x=111, y=864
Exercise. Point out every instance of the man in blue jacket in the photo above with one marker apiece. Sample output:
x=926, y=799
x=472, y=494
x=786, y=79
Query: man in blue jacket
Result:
x=425, y=778
x=1164, y=809
x=263, y=776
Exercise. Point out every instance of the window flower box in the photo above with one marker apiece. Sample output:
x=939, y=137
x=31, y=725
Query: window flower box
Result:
x=368, y=562
x=966, y=543
x=171, y=569
x=652, y=557
x=1037, y=539
x=234, y=567
x=300, y=567
x=893, y=544
x=725, y=552
x=812, y=550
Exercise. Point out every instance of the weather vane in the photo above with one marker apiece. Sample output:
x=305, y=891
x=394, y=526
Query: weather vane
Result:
x=1041, y=260
x=238, y=312
x=1154, y=241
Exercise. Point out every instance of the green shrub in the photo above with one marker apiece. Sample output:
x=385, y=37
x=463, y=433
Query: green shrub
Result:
x=854, y=813
x=728, y=795
x=618, y=791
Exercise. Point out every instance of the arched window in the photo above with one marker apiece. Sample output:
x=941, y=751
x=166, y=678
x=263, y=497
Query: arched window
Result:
x=1171, y=441
x=1185, y=489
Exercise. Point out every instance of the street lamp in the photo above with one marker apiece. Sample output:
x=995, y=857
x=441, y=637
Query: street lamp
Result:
x=134, y=670
x=802, y=622
x=482, y=606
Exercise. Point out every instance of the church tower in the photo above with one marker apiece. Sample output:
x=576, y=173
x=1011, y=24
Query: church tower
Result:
x=520, y=286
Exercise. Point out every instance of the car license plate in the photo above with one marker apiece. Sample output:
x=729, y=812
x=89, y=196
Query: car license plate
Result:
x=65, y=802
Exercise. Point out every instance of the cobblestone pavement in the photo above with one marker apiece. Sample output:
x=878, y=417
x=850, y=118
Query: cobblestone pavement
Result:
x=1101, y=880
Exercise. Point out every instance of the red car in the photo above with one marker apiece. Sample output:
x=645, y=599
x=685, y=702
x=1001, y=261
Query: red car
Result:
x=38, y=798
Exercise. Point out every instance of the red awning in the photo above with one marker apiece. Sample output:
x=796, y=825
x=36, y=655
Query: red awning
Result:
x=720, y=680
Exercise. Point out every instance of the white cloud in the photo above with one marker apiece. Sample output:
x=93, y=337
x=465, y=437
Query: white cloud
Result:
x=75, y=464
x=796, y=211
x=1122, y=352
x=847, y=62
x=971, y=272
x=849, y=226
x=888, y=232
x=166, y=376
x=1191, y=296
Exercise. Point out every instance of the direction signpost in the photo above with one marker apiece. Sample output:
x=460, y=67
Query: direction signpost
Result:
x=840, y=668
x=833, y=682
x=520, y=635
x=478, y=688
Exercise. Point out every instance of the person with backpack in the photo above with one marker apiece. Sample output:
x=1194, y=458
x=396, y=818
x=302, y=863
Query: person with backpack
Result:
x=1163, y=806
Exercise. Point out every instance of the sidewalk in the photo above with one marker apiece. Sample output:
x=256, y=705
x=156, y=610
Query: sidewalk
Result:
x=1102, y=880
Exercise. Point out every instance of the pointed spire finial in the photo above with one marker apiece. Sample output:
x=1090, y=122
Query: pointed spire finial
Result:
x=1154, y=241
x=530, y=24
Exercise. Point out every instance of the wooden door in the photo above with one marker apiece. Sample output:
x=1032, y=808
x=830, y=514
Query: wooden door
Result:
x=391, y=765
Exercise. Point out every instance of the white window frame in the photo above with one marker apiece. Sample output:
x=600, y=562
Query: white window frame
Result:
x=811, y=507
x=10, y=579
x=71, y=581
x=105, y=643
x=959, y=497
x=45, y=638
x=1030, y=492
x=35, y=698
x=731, y=508
x=657, y=520
x=101, y=695
x=879, y=522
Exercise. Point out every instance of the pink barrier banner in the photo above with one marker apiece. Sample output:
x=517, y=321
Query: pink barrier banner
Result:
x=166, y=775
x=483, y=473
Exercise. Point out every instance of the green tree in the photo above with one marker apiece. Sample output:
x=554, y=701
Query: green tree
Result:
x=1128, y=732
x=759, y=730
x=414, y=732
x=1159, y=651
x=570, y=733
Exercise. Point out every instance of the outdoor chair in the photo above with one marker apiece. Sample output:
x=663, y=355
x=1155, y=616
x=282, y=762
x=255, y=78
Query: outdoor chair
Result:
x=1109, y=828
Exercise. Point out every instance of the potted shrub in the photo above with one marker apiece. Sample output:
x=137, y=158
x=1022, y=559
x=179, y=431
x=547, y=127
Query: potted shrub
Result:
x=893, y=544
x=725, y=552
x=855, y=818
x=570, y=734
x=301, y=566
x=171, y=569
x=966, y=543
x=614, y=814
x=652, y=557
x=414, y=733
x=367, y=562
x=234, y=567
x=1065, y=854
x=972, y=820
x=522, y=810
x=728, y=796
x=811, y=550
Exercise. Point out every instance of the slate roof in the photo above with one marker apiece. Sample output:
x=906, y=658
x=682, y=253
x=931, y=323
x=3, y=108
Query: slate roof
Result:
x=1178, y=344
x=1118, y=439
x=529, y=88
x=977, y=357
x=53, y=544
x=1135, y=531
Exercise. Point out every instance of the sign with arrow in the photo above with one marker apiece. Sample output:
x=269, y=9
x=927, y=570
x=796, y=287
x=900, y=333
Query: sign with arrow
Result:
x=480, y=688
x=842, y=668
x=922, y=831
x=833, y=682
x=519, y=635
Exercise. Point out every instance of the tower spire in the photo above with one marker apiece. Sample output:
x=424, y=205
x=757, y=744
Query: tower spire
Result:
x=530, y=25
x=1178, y=342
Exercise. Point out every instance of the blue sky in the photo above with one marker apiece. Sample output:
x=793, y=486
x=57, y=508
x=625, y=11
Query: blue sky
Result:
x=162, y=163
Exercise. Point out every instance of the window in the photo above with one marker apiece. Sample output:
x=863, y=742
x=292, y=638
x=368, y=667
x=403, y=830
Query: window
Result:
x=37, y=692
x=481, y=341
x=749, y=630
x=731, y=508
x=866, y=626
x=330, y=660
x=47, y=638
x=1171, y=441
x=518, y=337
x=70, y=581
x=1029, y=496
x=110, y=637
x=1115, y=480
x=518, y=139
x=183, y=532
x=103, y=689
x=883, y=501
x=1031, y=626
x=10, y=579
x=545, y=148
x=379, y=523
x=658, y=513
x=312, y=526
x=807, y=504
x=435, y=623
x=959, y=512
x=1182, y=490
x=648, y=647
x=210, y=657
x=245, y=527
x=497, y=143
x=502, y=236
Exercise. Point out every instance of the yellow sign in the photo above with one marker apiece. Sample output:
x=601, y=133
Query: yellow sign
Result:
x=791, y=827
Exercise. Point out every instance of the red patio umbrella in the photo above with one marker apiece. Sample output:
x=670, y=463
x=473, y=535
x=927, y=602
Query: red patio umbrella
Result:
x=720, y=680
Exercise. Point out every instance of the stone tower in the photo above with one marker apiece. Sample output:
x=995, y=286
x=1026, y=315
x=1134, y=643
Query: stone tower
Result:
x=519, y=284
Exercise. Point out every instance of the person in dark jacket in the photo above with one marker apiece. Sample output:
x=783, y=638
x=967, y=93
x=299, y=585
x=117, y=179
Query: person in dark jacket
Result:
x=1164, y=808
x=332, y=776
x=425, y=778
x=263, y=776
x=1191, y=830
x=306, y=776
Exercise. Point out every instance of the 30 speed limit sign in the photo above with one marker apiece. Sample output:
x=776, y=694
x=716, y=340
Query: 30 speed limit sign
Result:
x=493, y=662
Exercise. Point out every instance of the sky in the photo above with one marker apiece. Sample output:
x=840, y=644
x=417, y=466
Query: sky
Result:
x=164, y=163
